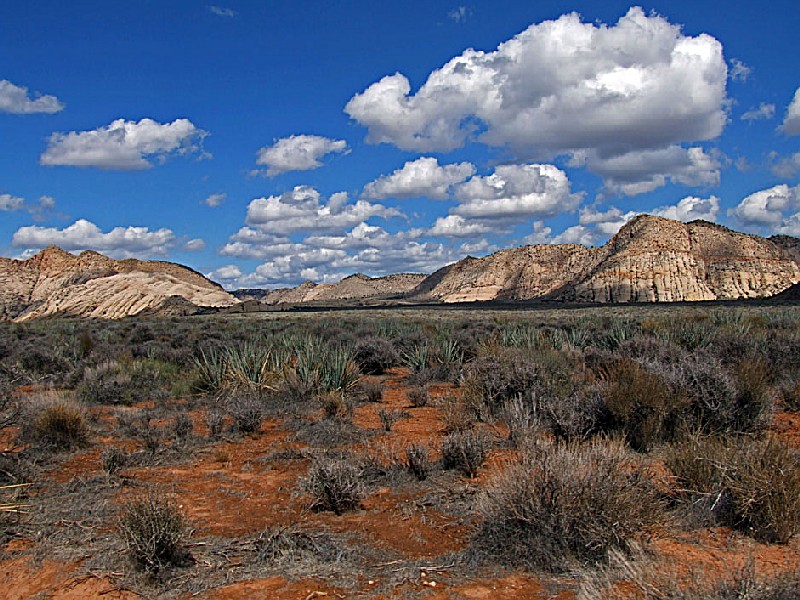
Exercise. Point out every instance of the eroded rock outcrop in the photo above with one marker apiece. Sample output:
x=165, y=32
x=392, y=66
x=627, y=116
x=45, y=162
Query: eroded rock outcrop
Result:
x=92, y=285
x=354, y=287
x=651, y=259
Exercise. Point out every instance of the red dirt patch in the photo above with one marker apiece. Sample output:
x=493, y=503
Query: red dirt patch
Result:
x=273, y=587
x=786, y=426
x=20, y=580
x=229, y=491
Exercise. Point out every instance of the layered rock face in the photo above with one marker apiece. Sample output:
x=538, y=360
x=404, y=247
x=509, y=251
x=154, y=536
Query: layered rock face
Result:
x=92, y=285
x=651, y=259
x=355, y=287
x=516, y=274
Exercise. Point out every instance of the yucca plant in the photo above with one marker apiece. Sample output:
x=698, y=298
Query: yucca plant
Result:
x=211, y=370
x=417, y=359
x=339, y=372
x=449, y=353
x=250, y=366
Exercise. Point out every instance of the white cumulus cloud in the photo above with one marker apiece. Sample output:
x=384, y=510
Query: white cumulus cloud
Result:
x=303, y=211
x=298, y=153
x=791, y=123
x=421, y=177
x=85, y=235
x=17, y=100
x=561, y=87
x=195, y=245
x=123, y=145
x=640, y=172
x=768, y=208
x=690, y=208
x=513, y=193
x=739, y=70
x=456, y=226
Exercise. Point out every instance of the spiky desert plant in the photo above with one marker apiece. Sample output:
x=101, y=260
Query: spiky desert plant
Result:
x=211, y=370
x=417, y=359
x=250, y=366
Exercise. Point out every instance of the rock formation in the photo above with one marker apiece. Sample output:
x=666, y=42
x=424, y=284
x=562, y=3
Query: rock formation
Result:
x=354, y=287
x=651, y=259
x=92, y=285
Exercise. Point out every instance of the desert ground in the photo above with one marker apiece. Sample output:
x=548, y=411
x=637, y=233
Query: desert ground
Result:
x=608, y=452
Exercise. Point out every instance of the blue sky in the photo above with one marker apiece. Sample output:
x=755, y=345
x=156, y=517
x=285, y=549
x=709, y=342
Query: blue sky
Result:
x=266, y=143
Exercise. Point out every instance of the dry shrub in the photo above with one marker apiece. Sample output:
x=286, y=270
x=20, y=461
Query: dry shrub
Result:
x=152, y=528
x=54, y=422
x=215, y=421
x=375, y=355
x=334, y=484
x=182, y=427
x=114, y=459
x=419, y=396
x=639, y=404
x=495, y=378
x=417, y=461
x=565, y=504
x=465, y=451
x=457, y=414
x=644, y=578
x=335, y=405
x=753, y=485
x=247, y=411
x=372, y=390
x=294, y=544
x=389, y=417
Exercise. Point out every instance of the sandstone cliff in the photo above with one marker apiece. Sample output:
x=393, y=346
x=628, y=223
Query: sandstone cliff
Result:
x=651, y=259
x=92, y=285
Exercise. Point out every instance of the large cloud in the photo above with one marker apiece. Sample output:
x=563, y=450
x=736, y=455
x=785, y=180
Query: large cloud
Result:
x=791, y=123
x=421, y=177
x=84, y=235
x=302, y=210
x=297, y=153
x=123, y=145
x=690, y=209
x=595, y=226
x=640, y=172
x=17, y=100
x=559, y=87
x=514, y=193
x=768, y=209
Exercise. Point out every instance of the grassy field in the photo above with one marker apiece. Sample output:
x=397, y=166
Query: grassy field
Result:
x=595, y=452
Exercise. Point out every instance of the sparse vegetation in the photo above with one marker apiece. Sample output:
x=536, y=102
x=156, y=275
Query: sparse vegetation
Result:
x=153, y=530
x=686, y=395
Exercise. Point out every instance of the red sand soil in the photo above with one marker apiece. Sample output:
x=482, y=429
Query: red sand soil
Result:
x=232, y=488
x=21, y=580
